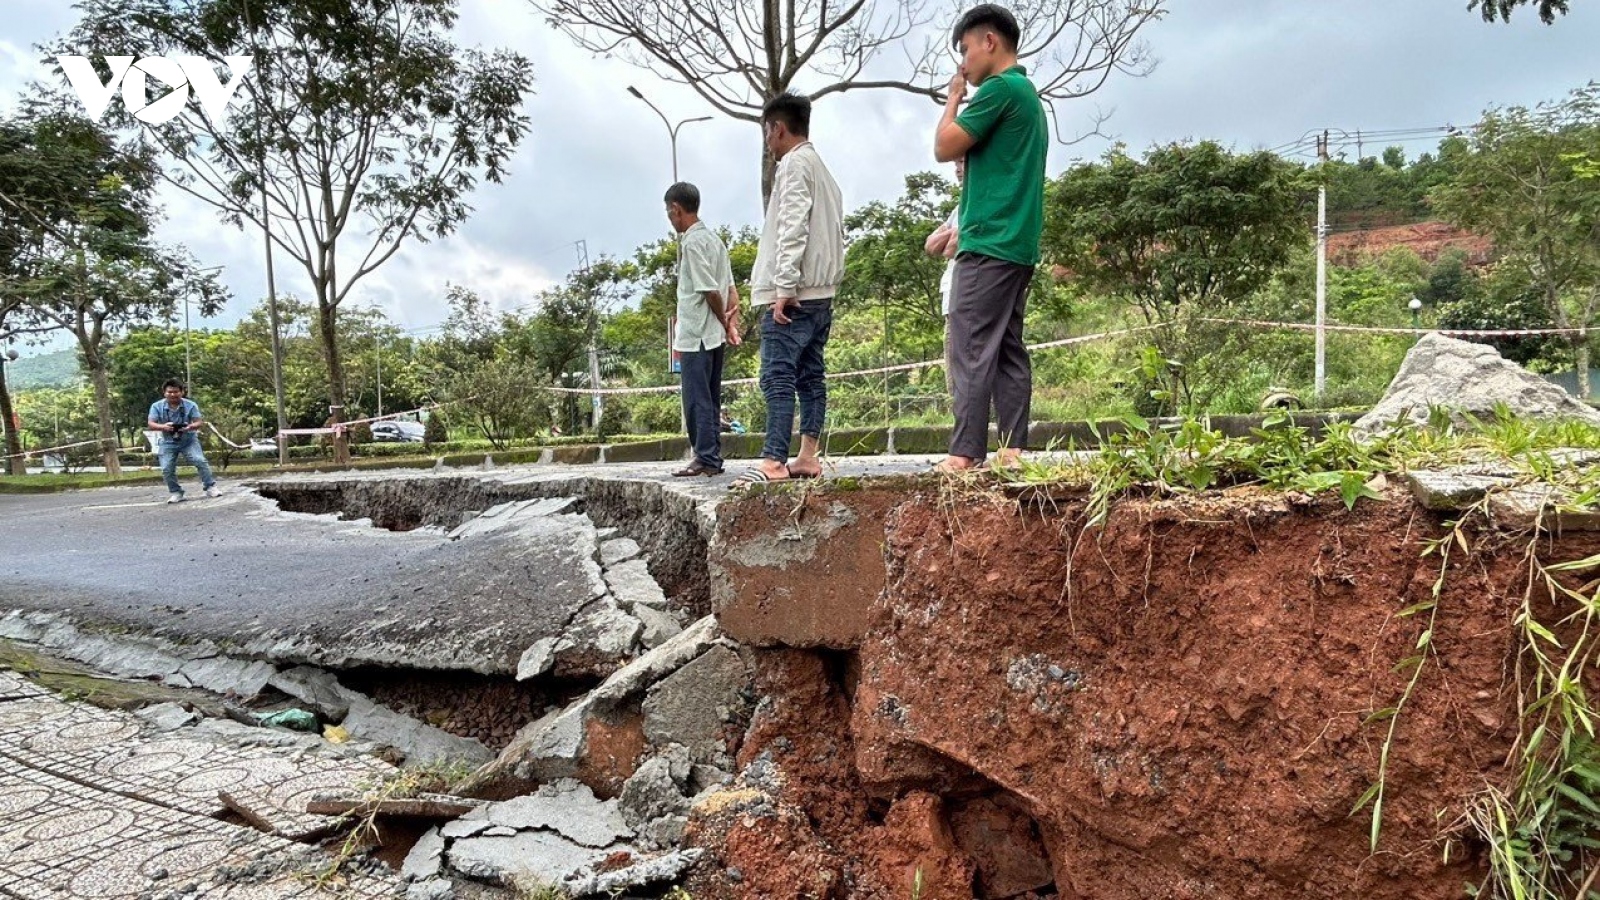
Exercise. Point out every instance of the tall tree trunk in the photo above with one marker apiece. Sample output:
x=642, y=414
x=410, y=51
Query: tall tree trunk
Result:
x=102, y=405
x=327, y=318
x=8, y=417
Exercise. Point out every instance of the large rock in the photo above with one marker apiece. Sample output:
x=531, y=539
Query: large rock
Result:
x=1468, y=378
x=695, y=705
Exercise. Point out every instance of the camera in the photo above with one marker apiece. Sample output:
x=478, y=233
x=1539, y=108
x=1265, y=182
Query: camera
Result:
x=178, y=429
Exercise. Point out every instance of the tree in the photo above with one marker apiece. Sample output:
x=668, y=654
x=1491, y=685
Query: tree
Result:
x=1524, y=186
x=1501, y=9
x=95, y=268
x=354, y=111
x=738, y=54
x=1184, y=235
x=886, y=268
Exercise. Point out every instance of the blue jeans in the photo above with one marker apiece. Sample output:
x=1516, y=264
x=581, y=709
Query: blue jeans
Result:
x=791, y=366
x=187, y=446
x=702, y=403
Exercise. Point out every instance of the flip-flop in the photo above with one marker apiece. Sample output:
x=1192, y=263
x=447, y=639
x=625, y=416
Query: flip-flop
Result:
x=752, y=476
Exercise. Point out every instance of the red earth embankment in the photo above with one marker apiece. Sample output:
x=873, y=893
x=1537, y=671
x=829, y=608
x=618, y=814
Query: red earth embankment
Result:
x=1174, y=705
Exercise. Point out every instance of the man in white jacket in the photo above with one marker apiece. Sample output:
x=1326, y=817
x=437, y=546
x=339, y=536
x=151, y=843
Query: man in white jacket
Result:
x=799, y=265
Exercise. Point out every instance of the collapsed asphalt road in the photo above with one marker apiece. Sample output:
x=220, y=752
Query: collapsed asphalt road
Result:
x=254, y=581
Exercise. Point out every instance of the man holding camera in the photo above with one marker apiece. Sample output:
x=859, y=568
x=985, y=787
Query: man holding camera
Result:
x=178, y=419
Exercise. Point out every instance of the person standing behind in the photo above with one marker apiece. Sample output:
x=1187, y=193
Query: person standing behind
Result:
x=178, y=418
x=799, y=265
x=708, y=306
x=943, y=243
x=1003, y=135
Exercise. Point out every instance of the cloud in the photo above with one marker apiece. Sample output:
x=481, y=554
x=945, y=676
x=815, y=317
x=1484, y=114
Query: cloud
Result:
x=596, y=160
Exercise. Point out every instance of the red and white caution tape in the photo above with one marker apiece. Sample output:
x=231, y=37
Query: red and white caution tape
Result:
x=1374, y=329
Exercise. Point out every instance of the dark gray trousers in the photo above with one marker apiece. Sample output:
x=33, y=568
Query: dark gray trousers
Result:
x=702, y=403
x=988, y=361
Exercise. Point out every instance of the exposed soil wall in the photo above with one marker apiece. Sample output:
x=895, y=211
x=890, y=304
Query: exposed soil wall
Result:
x=1171, y=706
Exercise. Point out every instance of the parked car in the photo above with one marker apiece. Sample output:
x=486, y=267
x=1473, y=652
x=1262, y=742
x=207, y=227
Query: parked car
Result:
x=398, y=431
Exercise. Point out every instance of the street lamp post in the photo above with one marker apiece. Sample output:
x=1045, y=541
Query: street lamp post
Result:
x=1416, y=313
x=672, y=130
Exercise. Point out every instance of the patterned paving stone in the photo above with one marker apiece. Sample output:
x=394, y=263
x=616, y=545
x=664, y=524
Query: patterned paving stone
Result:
x=60, y=839
x=16, y=687
x=278, y=804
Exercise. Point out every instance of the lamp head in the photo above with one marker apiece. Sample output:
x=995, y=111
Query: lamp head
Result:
x=1415, y=304
x=12, y=354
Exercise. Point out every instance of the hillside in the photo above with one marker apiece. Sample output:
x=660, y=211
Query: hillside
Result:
x=57, y=369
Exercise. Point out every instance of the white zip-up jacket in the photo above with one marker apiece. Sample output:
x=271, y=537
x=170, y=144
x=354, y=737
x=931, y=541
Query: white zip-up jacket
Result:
x=801, y=253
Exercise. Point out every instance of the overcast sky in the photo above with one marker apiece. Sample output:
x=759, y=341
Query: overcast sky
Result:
x=1248, y=73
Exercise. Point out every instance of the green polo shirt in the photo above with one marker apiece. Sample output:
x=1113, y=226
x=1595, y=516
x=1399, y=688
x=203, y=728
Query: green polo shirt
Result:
x=1002, y=202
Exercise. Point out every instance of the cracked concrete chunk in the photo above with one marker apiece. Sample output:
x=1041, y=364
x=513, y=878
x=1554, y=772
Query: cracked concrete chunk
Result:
x=598, y=639
x=658, y=663
x=633, y=585
x=510, y=515
x=538, y=659
x=1450, y=491
x=552, y=746
x=662, y=869
x=426, y=857
x=527, y=856
x=315, y=688
x=694, y=705
x=652, y=792
x=617, y=550
x=659, y=626
x=665, y=832
x=567, y=807
x=420, y=742
x=463, y=827
x=226, y=675
x=167, y=716
x=433, y=888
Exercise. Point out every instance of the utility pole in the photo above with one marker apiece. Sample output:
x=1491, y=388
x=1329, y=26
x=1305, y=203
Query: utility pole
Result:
x=594, y=329
x=1322, y=272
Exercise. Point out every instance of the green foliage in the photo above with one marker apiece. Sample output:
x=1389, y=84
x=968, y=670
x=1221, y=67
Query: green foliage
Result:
x=434, y=431
x=1524, y=185
x=1502, y=9
x=1187, y=233
x=45, y=370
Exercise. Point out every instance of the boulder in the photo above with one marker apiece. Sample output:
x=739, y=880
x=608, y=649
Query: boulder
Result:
x=1468, y=379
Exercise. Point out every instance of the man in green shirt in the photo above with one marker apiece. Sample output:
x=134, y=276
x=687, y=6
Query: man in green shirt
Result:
x=1003, y=136
x=708, y=304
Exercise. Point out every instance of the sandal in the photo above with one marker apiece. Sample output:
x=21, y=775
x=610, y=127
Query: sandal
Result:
x=753, y=476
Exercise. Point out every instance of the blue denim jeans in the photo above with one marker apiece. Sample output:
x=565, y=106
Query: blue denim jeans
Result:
x=187, y=446
x=791, y=367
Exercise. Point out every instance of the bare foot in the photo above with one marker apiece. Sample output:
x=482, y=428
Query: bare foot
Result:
x=1007, y=458
x=804, y=467
x=953, y=464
